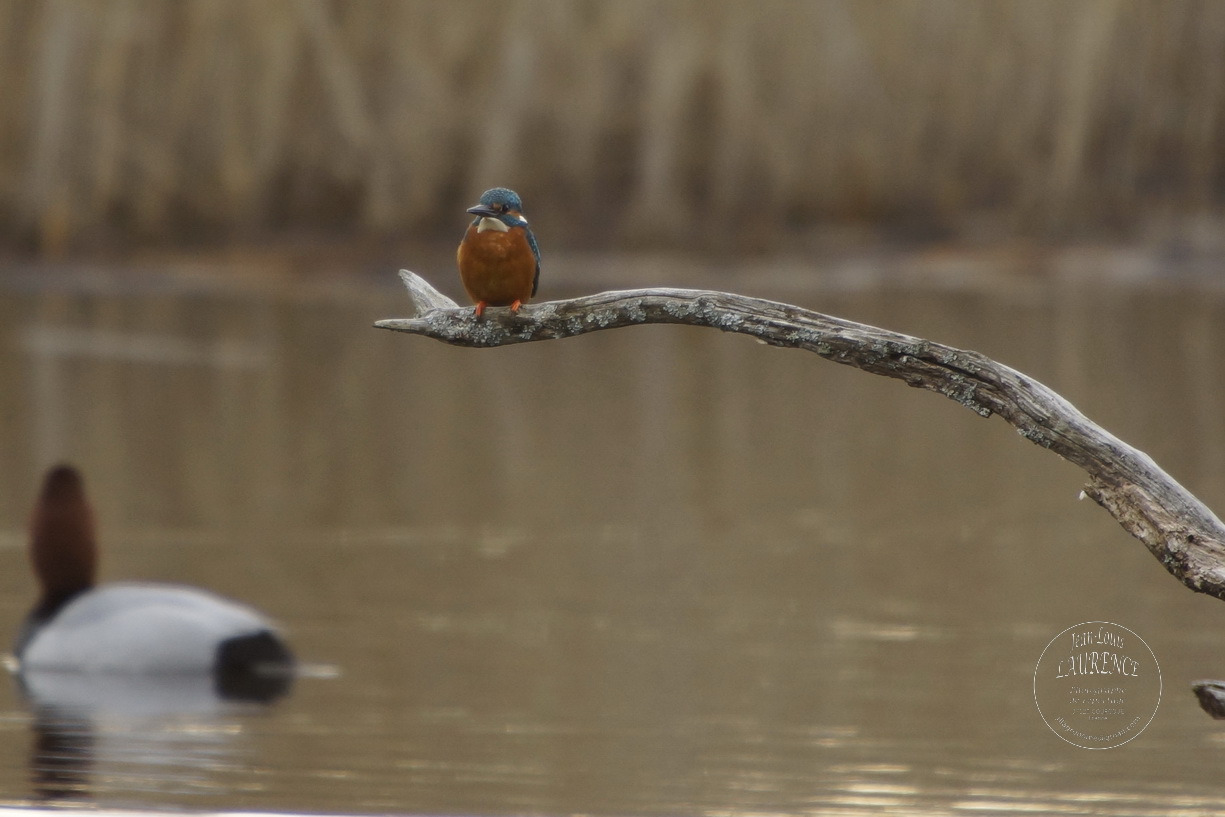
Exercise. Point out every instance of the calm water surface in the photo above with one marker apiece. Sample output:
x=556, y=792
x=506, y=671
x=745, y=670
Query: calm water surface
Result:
x=651, y=571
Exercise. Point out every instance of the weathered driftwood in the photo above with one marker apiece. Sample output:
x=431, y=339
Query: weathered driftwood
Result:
x=1175, y=526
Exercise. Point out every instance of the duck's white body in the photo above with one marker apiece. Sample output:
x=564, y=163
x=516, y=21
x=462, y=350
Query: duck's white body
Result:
x=139, y=629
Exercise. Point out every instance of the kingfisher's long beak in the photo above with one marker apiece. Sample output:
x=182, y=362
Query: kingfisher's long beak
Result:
x=483, y=210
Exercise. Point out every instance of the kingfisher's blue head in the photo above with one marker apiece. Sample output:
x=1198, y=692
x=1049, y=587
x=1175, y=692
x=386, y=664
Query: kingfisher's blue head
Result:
x=502, y=204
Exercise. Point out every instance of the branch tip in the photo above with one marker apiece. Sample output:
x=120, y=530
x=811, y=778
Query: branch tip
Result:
x=423, y=295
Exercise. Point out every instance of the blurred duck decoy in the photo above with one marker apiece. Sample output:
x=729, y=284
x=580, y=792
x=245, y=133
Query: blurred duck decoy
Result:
x=134, y=629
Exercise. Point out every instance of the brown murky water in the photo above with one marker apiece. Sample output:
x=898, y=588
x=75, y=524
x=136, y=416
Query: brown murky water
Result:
x=651, y=571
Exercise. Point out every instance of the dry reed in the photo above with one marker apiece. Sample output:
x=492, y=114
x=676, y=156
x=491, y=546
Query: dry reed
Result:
x=186, y=120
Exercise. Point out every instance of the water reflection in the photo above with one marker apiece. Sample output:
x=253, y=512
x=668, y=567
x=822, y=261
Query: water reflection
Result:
x=149, y=734
x=651, y=571
x=61, y=756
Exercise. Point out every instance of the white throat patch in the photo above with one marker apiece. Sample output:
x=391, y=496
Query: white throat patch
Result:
x=487, y=223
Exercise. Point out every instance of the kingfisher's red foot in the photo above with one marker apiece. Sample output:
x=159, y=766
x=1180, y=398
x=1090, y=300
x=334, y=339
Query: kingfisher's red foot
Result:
x=514, y=307
x=480, y=308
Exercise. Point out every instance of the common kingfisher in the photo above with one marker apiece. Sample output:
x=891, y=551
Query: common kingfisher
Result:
x=499, y=261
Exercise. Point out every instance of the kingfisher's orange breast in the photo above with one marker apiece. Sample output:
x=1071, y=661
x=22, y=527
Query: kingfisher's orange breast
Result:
x=496, y=267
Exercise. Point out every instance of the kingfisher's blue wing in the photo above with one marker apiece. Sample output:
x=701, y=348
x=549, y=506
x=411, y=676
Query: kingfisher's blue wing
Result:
x=531, y=240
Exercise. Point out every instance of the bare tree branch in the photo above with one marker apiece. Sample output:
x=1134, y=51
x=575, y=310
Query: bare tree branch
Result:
x=1175, y=526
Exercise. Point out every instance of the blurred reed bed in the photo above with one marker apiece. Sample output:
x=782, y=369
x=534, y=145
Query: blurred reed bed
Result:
x=628, y=122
